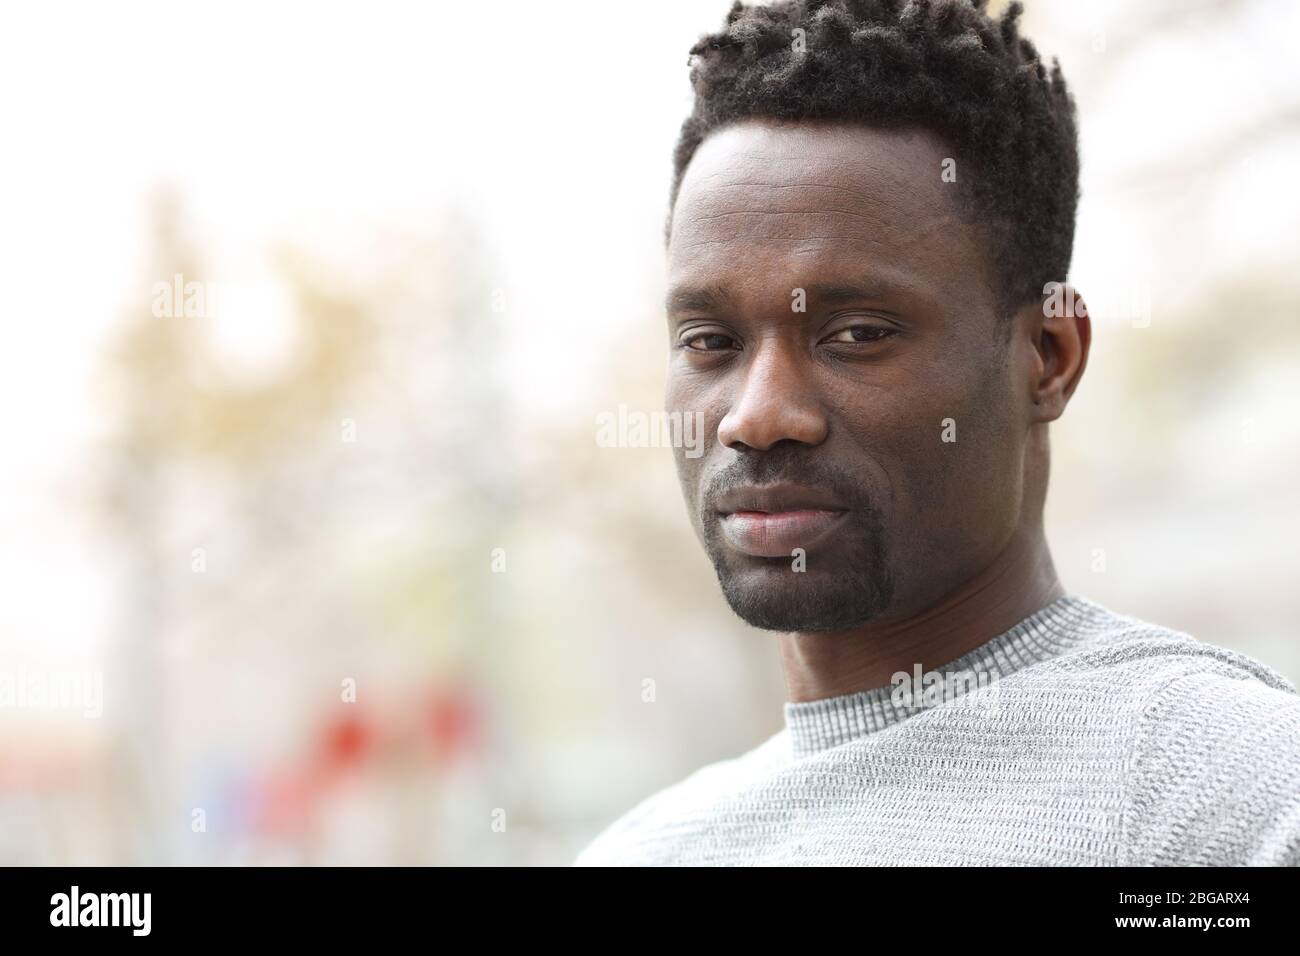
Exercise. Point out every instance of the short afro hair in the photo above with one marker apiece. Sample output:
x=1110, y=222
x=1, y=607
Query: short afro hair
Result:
x=941, y=65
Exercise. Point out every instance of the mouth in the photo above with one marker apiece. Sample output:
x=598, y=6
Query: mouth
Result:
x=771, y=521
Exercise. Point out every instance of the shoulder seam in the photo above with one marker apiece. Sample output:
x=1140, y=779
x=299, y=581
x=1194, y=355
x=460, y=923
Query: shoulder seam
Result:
x=1136, y=735
x=1140, y=734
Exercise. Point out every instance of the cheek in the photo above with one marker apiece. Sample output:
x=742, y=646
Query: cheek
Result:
x=940, y=445
x=689, y=398
x=971, y=456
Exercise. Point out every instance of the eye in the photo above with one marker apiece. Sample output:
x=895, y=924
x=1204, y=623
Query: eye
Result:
x=858, y=334
x=710, y=342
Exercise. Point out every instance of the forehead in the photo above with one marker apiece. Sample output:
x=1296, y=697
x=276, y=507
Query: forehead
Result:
x=782, y=203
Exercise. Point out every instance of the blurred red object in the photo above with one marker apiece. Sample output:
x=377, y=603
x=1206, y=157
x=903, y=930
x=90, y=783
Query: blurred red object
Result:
x=452, y=721
x=347, y=739
x=285, y=802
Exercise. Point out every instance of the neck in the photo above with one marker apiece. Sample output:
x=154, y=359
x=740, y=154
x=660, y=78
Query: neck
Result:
x=1020, y=581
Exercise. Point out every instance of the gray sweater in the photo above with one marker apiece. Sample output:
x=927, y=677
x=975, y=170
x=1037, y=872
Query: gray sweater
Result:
x=1084, y=738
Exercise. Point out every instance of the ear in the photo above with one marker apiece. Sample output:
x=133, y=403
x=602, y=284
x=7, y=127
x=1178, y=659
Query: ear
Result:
x=1060, y=335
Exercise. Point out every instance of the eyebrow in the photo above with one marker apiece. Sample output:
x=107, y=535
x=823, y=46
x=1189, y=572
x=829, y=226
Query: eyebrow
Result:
x=709, y=298
x=841, y=292
x=716, y=298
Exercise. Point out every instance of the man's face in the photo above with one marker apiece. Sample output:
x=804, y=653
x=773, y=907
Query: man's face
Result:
x=835, y=322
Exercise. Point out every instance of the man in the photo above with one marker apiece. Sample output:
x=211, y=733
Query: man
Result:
x=870, y=228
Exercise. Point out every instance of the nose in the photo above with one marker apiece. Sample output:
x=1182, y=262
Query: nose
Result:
x=775, y=402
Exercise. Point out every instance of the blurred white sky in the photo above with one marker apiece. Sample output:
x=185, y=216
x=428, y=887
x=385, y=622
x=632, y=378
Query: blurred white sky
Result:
x=549, y=125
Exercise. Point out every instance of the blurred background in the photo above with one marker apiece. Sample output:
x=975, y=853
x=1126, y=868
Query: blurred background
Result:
x=309, y=552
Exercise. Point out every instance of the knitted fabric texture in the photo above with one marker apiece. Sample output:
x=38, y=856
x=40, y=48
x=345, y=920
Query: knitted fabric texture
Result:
x=1088, y=738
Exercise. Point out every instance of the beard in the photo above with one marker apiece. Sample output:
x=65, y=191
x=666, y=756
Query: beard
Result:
x=845, y=582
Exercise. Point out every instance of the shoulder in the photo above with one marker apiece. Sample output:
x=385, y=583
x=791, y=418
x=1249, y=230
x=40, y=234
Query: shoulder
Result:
x=644, y=833
x=1210, y=740
x=1132, y=661
x=1212, y=759
x=1145, y=656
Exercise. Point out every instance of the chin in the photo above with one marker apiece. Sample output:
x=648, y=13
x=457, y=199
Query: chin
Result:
x=773, y=598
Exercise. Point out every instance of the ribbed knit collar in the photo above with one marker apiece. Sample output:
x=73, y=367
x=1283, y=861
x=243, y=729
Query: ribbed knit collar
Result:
x=818, y=725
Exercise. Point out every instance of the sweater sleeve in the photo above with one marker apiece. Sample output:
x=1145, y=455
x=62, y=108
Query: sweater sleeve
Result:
x=1214, y=774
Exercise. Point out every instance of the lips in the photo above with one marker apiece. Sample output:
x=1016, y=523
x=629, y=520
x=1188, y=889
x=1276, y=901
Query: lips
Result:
x=771, y=521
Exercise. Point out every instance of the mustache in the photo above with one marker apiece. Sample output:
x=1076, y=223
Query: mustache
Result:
x=792, y=465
